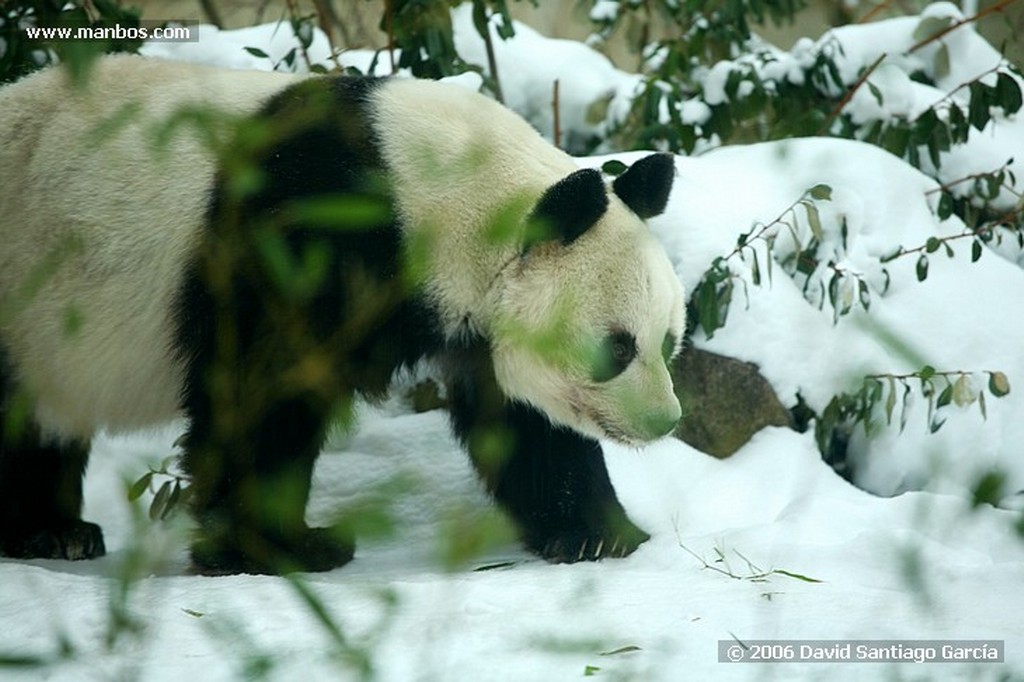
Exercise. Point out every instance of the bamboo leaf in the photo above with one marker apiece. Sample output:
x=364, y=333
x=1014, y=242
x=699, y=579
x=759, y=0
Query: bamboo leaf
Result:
x=156, y=508
x=1008, y=93
x=890, y=401
x=945, y=397
x=140, y=486
x=814, y=220
x=821, y=192
x=256, y=52
x=962, y=393
x=797, y=576
x=998, y=384
x=945, y=207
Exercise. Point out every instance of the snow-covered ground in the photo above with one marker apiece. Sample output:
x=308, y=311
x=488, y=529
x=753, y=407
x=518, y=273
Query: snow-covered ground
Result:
x=769, y=544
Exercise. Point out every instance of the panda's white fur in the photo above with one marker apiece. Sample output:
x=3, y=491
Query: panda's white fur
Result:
x=494, y=158
x=102, y=230
x=86, y=204
x=117, y=221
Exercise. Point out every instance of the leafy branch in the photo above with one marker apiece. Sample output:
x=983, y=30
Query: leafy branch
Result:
x=848, y=96
x=170, y=496
x=987, y=187
x=713, y=294
x=754, y=573
x=939, y=388
x=993, y=9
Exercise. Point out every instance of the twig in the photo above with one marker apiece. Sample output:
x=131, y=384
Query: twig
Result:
x=998, y=7
x=965, y=84
x=389, y=17
x=557, y=122
x=293, y=11
x=211, y=12
x=480, y=20
x=877, y=9
x=841, y=104
x=967, y=178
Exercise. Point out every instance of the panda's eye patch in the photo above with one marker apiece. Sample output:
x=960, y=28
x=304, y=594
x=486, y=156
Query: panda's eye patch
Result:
x=616, y=351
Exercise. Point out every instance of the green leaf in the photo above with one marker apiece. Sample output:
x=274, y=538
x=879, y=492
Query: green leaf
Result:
x=945, y=208
x=140, y=486
x=962, y=393
x=875, y=92
x=998, y=384
x=890, y=401
x=172, y=500
x=1008, y=93
x=707, y=301
x=926, y=373
x=932, y=245
x=628, y=649
x=814, y=220
x=157, y=507
x=797, y=576
x=930, y=26
x=945, y=397
x=821, y=192
x=348, y=212
x=922, y=268
x=613, y=167
x=941, y=66
x=978, y=110
x=256, y=52
x=903, y=407
x=990, y=489
x=976, y=250
x=958, y=126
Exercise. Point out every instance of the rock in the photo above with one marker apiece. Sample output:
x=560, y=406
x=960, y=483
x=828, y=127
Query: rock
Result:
x=725, y=401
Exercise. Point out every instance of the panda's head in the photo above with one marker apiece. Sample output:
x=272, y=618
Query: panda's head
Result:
x=591, y=309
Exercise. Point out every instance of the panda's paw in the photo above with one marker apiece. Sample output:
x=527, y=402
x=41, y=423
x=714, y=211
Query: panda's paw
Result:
x=589, y=544
x=73, y=540
x=310, y=550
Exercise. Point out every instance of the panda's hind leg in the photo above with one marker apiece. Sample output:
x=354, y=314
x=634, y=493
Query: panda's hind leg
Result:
x=40, y=489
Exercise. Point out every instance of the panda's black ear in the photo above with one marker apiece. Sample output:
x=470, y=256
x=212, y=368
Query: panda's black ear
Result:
x=646, y=185
x=568, y=208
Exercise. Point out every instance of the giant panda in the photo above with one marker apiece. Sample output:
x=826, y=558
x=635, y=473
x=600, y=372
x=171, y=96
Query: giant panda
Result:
x=141, y=278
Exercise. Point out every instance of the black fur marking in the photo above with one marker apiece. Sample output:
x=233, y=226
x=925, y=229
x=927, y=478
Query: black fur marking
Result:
x=646, y=185
x=569, y=208
x=551, y=480
x=267, y=364
x=616, y=352
x=40, y=488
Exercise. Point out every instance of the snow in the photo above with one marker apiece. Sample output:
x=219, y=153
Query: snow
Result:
x=909, y=560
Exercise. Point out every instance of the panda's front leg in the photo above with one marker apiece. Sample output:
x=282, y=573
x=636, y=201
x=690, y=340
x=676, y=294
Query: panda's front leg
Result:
x=555, y=484
x=551, y=480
